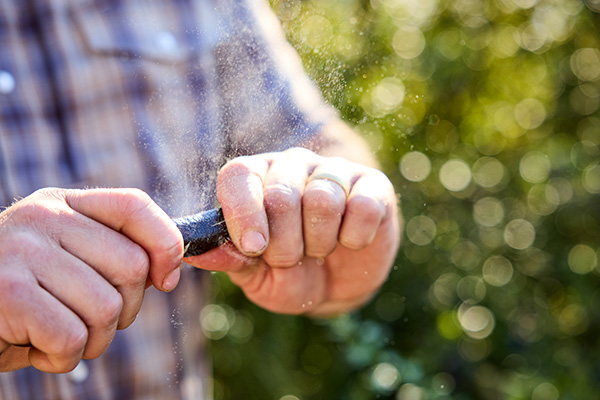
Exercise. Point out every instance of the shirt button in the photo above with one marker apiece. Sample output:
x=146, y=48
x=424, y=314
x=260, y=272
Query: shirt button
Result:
x=7, y=83
x=166, y=41
x=80, y=373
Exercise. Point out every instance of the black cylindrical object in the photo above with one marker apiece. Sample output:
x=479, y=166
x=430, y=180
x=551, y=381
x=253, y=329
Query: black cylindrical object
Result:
x=203, y=231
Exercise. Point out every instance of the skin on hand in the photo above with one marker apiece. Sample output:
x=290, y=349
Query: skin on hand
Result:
x=74, y=265
x=302, y=245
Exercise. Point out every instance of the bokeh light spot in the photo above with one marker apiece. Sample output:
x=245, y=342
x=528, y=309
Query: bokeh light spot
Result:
x=525, y=4
x=408, y=42
x=534, y=167
x=466, y=255
x=533, y=36
x=216, y=320
x=444, y=288
x=478, y=322
x=591, y=179
x=385, y=377
x=443, y=383
x=543, y=199
x=593, y=5
x=448, y=234
x=545, y=391
x=410, y=391
x=317, y=31
x=488, y=212
x=289, y=397
x=505, y=122
x=584, y=154
x=448, y=326
x=449, y=43
x=455, y=175
x=564, y=188
x=504, y=43
x=497, y=271
x=573, y=320
x=530, y=113
x=442, y=136
x=242, y=329
x=488, y=172
x=384, y=98
x=585, y=99
x=421, y=230
x=287, y=9
x=582, y=259
x=415, y=166
x=471, y=289
x=519, y=234
x=585, y=64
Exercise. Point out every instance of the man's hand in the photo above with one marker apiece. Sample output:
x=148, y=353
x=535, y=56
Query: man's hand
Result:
x=310, y=234
x=74, y=265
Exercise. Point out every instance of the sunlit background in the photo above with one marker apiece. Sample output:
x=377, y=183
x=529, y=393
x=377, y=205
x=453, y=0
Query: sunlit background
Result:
x=484, y=114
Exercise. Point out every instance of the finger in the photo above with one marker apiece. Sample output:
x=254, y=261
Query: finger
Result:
x=3, y=346
x=240, y=193
x=58, y=337
x=223, y=258
x=133, y=213
x=366, y=208
x=283, y=189
x=14, y=358
x=323, y=206
x=114, y=257
x=87, y=294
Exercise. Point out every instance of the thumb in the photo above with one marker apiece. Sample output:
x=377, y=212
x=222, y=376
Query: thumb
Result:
x=3, y=346
x=134, y=214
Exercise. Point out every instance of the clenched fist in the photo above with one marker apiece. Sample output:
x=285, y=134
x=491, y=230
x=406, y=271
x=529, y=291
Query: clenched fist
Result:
x=310, y=234
x=74, y=265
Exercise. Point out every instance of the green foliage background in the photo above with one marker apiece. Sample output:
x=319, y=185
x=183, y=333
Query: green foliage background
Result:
x=484, y=115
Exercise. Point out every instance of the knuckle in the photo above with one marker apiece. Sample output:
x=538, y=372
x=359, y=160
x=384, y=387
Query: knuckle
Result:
x=365, y=208
x=236, y=167
x=299, y=152
x=283, y=260
x=281, y=198
x=15, y=286
x=130, y=201
x=74, y=341
x=240, y=173
x=174, y=252
x=354, y=242
x=381, y=178
x=40, y=214
x=19, y=243
x=49, y=193
x=322, y=203
x=337, y=160
x=109, y=311
x=137, y=268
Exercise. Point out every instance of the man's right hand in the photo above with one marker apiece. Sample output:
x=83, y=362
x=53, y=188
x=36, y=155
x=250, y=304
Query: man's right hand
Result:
x=74, y=265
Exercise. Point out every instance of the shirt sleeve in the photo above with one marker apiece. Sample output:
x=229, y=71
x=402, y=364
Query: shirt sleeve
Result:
x=270, y=103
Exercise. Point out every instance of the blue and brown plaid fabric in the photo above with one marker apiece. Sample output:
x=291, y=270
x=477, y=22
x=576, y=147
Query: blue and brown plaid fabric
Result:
x=154, y=94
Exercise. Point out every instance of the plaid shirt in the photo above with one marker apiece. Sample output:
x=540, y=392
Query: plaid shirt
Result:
x=154, y=94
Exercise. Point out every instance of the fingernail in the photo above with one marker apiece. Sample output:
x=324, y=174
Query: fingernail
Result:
x=253, y=242
x=172, y=280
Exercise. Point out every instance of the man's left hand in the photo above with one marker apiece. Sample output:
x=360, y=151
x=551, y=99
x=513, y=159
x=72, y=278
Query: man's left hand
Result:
x=310, y=234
